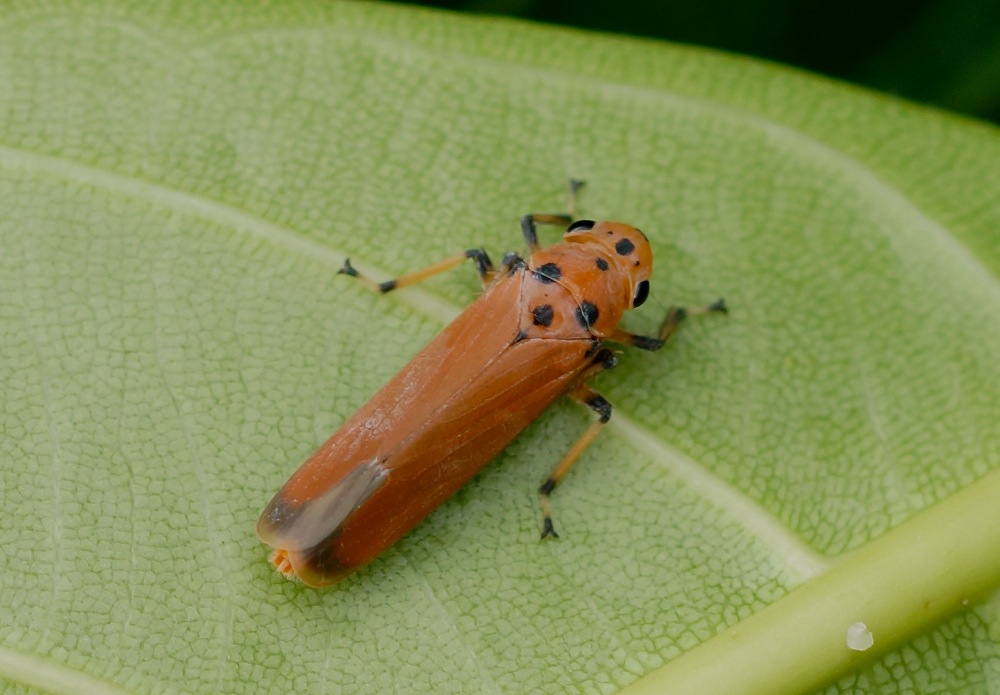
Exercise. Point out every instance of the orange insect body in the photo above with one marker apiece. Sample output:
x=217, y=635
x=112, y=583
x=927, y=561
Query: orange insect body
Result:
x=535, y=334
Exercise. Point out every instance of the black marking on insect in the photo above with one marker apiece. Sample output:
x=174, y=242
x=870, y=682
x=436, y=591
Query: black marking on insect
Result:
x=719, y=305
x=482, y=260
x=581, y=226
x=587, y=313
x=609, y=361
x=602, y=264
x=548, y=273
x=641, y=292
x=624, y=247
x=601, y=406
x=348, y=269
x=513, y=262
x=644, y=342
x=542, y=315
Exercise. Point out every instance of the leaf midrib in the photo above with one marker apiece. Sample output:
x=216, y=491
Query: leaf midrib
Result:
x=35, y=672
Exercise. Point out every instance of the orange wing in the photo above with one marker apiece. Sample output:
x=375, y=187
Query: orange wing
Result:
x=443, y=417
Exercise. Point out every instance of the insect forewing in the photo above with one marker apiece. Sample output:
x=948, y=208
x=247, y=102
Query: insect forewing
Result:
x=285, y=524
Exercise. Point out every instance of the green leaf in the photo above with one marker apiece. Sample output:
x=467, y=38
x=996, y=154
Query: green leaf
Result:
x=180, y=182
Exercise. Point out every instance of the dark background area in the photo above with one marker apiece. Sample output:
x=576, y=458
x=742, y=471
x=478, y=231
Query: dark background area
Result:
x=940, y=52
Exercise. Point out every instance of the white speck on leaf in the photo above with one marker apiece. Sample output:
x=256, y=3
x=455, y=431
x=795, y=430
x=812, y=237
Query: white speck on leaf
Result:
x=859, y=637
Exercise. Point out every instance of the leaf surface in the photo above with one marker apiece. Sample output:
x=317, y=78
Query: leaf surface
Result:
x=180, y=183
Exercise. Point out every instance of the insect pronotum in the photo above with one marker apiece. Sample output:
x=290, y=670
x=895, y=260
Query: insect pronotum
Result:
x=536, y=333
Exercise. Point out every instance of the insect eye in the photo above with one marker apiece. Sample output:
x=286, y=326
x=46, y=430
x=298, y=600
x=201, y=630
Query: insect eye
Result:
x=581, y=226
x=641, y=292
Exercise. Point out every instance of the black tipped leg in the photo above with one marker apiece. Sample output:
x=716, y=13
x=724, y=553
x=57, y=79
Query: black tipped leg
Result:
x=548, y=530
x=482, y=261
x=600, y=405
x=676, y=314
x=529, y=222
x=574, y=187
x=348, y=269
x=644, y=342
x=596, y=402
x=484, y=266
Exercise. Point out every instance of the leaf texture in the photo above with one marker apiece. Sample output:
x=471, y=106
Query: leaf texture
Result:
x=180, y=182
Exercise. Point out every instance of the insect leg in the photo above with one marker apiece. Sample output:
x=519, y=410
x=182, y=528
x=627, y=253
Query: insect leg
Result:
x=528, y=222
x=596, y=402
x=574, y=188
x=675, y=315
x=483, y=265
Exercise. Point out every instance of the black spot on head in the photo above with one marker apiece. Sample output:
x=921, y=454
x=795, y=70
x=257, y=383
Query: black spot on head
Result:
x=602, y=264
x=624, y=247
x=548, y=273
x=641, y=292
x=586, y=314
x=542, y=315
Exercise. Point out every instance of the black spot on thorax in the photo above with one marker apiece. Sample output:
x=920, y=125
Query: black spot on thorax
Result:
x=542, y=315
x=586, y=314
x=602, y=264
x=548, y=273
